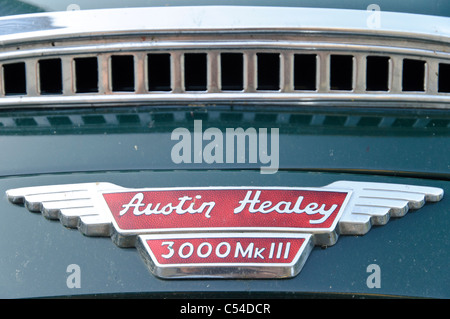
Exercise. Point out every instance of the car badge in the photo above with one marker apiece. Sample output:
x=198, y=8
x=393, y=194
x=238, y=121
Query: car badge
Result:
x=224, y=232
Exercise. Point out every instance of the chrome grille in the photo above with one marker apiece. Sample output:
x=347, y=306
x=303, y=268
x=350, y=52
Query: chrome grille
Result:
x=250, y=66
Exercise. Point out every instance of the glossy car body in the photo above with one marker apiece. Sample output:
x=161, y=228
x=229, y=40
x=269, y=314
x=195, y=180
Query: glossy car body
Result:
x=325, y=134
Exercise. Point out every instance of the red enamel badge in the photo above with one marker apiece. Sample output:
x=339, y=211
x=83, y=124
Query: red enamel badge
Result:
x=224, y=232
x=225, y=209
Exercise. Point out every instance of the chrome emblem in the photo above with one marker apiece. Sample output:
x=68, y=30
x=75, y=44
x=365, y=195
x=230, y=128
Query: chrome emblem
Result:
x=224, y=232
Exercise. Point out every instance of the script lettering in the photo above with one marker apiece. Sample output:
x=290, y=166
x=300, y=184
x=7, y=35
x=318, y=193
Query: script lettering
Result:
x=283, y=207
x=154, y=208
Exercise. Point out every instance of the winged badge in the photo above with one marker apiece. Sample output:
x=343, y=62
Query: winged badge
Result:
x=224, y=232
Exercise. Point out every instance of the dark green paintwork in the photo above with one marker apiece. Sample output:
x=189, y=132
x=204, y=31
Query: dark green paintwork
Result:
x=131, y=147
x=412, y=251
x=410, y=142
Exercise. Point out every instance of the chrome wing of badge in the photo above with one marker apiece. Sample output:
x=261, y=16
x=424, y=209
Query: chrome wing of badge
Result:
x=374, y=203
x=224, y=232
x=73, y=204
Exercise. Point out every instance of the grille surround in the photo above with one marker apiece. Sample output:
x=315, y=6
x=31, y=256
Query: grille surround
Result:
x=322, y=42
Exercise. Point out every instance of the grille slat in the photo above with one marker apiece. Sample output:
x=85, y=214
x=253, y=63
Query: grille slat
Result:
x=250, y=72
x=30, y=77
x=140, y=74
x=213, y=71
x=177, y=78
x=287, y=72
x=396, y=74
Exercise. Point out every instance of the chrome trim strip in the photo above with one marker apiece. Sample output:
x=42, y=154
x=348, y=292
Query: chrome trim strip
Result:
x=232, y=18
x=161, y=99
x=230, y=45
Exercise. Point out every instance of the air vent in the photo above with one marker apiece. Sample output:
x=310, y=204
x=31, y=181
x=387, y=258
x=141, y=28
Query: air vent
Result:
x=14, y=77
x=377, y=74
x=341, y=72
x=122, y=73
x=444, y=78
x=158, y=72
x=195, y=68
x=50, y=76
x=268, y=71
x=232, y=71
x=86, y=75
x=413, y=75
x=305, y=77
x=250, y=69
